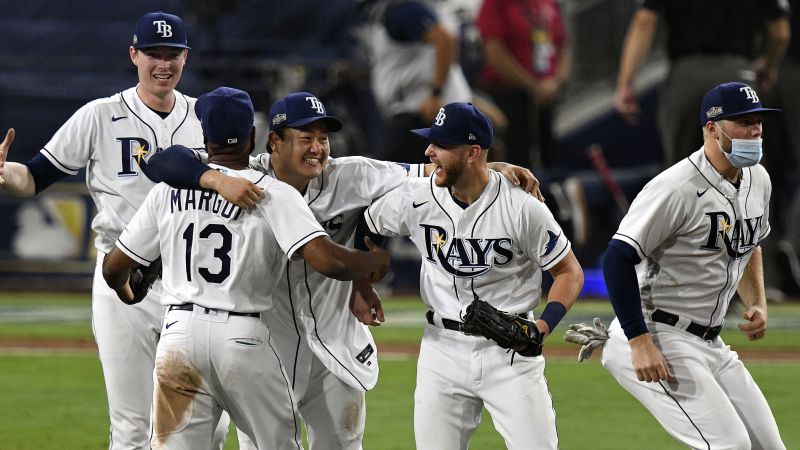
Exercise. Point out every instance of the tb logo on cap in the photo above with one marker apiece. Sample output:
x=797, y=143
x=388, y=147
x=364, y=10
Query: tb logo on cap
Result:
x=439, y=120
x=316, y=105
x=750, y=93
x=162, y=28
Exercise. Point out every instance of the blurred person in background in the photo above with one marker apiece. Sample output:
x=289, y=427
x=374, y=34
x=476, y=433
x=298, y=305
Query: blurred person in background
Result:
x=708, y=42
x=526, y=49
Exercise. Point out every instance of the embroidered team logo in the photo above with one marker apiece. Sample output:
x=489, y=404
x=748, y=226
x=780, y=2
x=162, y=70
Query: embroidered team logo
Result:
x=163, y=28
x=316, y=105
x=439, y=120
x=468, y=257
x=738, y=237
x=750, y=93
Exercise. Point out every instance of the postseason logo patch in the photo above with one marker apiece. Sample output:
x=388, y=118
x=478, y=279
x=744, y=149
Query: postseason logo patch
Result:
x=714, y=112
x=279, y=118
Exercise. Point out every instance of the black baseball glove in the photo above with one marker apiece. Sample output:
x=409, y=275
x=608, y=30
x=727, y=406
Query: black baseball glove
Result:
x=142, y=278
x=511, y=331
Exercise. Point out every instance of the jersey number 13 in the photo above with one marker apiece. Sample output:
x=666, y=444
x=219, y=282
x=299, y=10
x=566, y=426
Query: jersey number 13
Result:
x=220, y=253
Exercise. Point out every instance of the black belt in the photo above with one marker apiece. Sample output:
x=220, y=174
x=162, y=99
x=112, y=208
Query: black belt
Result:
x=190, y=307
x=701, y=331
x=447, y=323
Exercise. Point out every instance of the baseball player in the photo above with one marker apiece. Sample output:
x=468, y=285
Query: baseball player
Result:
x=693, y=236
x=479, y=239
x=330, y=357
x=109, y=136
x=221, y=264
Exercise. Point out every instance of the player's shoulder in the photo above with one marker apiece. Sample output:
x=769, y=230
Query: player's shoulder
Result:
x=511, y=193
x=356, y=164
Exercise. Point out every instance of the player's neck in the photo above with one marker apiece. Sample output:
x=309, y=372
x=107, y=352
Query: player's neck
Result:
x=235, y=162
x=156, y=102
x=721, y=164
x=294, y=180
x=471, y=184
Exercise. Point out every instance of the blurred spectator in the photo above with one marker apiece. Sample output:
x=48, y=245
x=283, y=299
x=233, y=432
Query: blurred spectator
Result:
x=527, y=63
x=415, y=70
x=709, y=42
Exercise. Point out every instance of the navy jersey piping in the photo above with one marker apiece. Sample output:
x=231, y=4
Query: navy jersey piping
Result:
x=155, y=137
x=433, y=194
x=172, y=137
x=294, y=322
x=708, y=446
x=135, y=253
x=289, y=394
x=63, y=167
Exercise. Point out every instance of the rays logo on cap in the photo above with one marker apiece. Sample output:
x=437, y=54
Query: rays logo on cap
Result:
x=439, y=120
x=714, y=112
x=316, y=105
x=750, y=93
x=163, y=28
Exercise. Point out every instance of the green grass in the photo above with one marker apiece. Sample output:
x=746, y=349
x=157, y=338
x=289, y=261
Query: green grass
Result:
x=57, y=400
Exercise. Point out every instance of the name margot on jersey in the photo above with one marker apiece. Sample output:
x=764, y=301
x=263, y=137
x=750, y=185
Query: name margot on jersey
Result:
x=204, y=200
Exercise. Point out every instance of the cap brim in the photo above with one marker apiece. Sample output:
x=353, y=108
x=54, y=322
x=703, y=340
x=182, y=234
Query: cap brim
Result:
x=431, y=136
x=333, y=123
x=161, y=45
x=751, y=111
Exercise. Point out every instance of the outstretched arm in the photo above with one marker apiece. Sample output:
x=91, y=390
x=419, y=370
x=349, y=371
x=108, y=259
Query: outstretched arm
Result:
x=342, y=263
x=751, y=291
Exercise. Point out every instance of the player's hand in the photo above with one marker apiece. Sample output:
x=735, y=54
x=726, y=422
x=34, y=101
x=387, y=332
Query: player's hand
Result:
x=519, y=176
x=429, y=108
x=365, y=303
x=546, y=91
x=240, y=191
x=627, y=105
x=4, y=152
x=648, y=362
x=756, y=326
x=125, y=293
x=381, y=260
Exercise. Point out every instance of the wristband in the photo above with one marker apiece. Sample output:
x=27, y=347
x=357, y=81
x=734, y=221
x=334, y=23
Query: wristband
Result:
x=553, y=313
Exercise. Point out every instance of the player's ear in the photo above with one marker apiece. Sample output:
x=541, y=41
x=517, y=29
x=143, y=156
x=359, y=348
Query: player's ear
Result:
x=132, y=53
x=474, y=153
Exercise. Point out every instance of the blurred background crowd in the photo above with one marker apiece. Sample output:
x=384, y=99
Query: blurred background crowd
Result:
x=571, y=86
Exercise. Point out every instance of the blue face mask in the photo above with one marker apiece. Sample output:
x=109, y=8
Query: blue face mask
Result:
x=744, y=152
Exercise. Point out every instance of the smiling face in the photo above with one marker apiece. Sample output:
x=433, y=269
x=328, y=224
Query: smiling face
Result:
x=302, y=153
x=159, y=69
x=450, y=160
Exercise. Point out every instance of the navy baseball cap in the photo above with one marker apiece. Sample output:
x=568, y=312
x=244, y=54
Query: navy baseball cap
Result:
x=298, y=109
x=731, y=100
x=459, y=123
x=159, y=28
x=226, y=115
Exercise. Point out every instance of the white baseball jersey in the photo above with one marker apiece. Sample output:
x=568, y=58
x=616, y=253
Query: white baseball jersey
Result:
x=695, y=232
x=215, y=254
x=107, y=136
x=402, y=72
x=310, y=304
x=494, y=250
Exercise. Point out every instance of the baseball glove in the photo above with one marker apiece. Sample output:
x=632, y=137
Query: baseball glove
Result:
x=511, y=331
x=590, y=337
x=142, y=278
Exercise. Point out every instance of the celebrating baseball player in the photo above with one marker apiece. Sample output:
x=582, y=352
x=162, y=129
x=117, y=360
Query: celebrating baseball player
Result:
x=693, y=235
x=483, y=246
x=108, y=136
x=221, y=264
x=330, y=357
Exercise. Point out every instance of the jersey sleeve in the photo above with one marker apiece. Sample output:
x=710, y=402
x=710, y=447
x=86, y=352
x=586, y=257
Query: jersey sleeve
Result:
x=541, y=237
x=293, y=224
x=70, y=149
x=375, y=178
x=139, y=239
x=260, y=162
x=655, y=215
x=388, y=216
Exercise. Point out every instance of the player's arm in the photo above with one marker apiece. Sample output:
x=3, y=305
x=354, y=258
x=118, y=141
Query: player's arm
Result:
x=567, y=284
x=178, y=167
x=28, y=179
x=619, y=270
x=637, y=44
x=751, y=291
x=342, y=263
x=116, y=270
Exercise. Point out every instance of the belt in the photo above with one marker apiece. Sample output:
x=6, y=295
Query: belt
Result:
x=190, y=307
x=701, y=331
x=447, y=323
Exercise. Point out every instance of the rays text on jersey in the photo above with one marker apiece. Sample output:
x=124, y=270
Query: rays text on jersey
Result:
x=739, y=237
x=470, y=257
